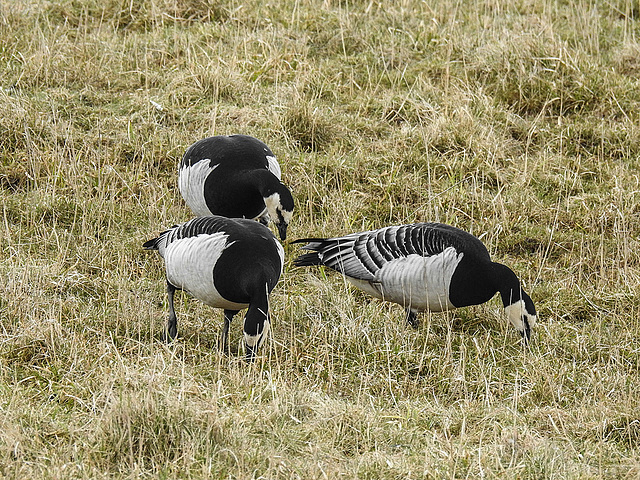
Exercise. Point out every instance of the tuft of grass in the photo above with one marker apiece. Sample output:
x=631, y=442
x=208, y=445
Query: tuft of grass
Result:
x=153, y=432
x=308, y=127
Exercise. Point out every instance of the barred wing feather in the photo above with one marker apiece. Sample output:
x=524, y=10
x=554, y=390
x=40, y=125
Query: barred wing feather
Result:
x=362, y=255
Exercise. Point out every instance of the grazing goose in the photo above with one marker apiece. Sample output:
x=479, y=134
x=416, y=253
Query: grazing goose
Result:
x=235, y=176
x=225, y=263
x=424, y=266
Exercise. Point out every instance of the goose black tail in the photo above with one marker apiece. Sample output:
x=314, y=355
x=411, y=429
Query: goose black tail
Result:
x=151, y=244
x=311, y=258
x=307, y=260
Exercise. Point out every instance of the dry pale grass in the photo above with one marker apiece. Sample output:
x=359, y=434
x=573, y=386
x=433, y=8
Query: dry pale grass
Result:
x=516, y=121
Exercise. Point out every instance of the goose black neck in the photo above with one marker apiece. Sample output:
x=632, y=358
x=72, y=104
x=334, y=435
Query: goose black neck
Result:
x=265, y=181
x=507, y=284
x=268, y=184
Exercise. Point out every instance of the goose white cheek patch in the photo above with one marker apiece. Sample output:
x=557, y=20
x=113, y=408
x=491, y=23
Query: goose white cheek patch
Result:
x=272, y=202
x=515, y=312
x=274, y=206
x=287, y=216
x=255, y=341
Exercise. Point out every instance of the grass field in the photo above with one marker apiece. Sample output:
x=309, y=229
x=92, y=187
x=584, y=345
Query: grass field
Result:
x=517, y=121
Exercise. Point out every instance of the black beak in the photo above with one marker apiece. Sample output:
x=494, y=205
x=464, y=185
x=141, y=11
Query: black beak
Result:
x=282, y=231
x=526, y=333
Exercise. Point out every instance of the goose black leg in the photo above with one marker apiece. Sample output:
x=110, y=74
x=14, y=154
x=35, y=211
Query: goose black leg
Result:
x=228, y=316
x=412, y=319
x=172, y=325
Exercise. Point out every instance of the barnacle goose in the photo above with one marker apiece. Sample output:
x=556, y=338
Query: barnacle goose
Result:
x=424, y=266
x=235, y=176
x=225, y=263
